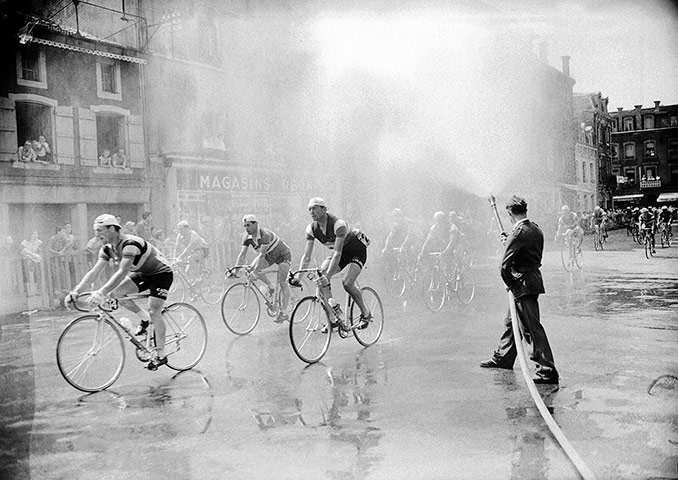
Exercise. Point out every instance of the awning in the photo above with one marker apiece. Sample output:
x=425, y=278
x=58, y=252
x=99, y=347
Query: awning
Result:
x=634, y=196
x=668, y=197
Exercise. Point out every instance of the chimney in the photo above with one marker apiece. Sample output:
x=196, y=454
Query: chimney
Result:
x=638, y=107
x=566, y=64
x=543, y=52
x=656, y=104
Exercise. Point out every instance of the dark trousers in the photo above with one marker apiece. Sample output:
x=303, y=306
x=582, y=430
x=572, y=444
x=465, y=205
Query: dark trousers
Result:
x=535, y=335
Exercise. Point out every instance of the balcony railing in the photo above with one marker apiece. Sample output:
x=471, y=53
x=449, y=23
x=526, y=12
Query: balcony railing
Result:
x=650, y=183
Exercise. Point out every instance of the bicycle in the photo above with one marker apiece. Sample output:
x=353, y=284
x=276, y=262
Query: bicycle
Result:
x=399, y=273
x=648, y=242
x=445, y=281
x=90, y=351
x=598, y=238
x=664, y=235
x=241, y=305
x=313, y=320
x=209, y=286
x=570, y=253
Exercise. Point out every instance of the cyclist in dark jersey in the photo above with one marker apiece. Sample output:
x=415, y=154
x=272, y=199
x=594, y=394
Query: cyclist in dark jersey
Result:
x=665, y=217
x=349, y=250
x=141, y=267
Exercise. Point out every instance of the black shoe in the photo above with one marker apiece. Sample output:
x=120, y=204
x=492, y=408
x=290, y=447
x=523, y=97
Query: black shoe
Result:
x=546, y=381
x=141, y=329
x=364, y=322
x=154, y=364
x=492, y=364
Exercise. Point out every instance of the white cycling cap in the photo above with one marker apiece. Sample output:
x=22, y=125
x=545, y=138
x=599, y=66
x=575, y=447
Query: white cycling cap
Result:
x=316, y=201
x=183, y=223
x=106, y=220
x=249, y=218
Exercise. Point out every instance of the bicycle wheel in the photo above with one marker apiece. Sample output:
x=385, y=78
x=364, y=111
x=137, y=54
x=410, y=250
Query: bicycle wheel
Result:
x=565, y=257
x=648, y=247
x=578, y=257
x=663, y=236
x=668, y=238
x=212, y=285
x=370, y=334
x=185, y=336
x=177, y=292
x=90, y=353
x=310, y=330
x=466, y=286
x=394, y=279
x=240, y=308
x=434, y=295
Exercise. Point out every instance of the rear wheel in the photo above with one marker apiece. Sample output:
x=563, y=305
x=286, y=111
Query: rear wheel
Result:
x=435, y=293
x=565, y=256
x=370, y=334
x=466, y=286
x=177, y=292
x=90, y=353
x=185, y=336
x=240, y=308
x=212, y=287
x=578, y=256
x=394, y=279
x=310, y=330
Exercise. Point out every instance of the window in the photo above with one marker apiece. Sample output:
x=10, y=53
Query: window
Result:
x=628, y=124
x=583, y=171
x=673, y=150
x=648, y=122
x=630, y=150
x=674, y=174
x=31, y=68
x=108, y=79
x=592, y=177
x=673, y=121
x=110, y=133
x=630, y=173
x=648, y=172
x=649, y=148
x=32, y=121
x=615, y=172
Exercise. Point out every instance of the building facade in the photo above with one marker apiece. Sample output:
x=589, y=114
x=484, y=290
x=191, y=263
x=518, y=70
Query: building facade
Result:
x=645, y=158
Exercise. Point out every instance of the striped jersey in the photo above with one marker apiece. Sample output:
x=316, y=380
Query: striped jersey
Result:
x=145, y=257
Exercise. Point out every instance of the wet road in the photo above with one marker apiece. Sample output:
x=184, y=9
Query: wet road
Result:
x=415, y=405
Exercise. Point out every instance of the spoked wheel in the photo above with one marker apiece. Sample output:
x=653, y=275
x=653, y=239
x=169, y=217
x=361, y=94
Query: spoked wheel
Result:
x=435, y=293
x=310, y=330
x=466, y=286
x=578, y=256
x=177, y=292
x=370, y=334
x=212, y=287
x=394, y=279
x=668, y=238
x=565, y=257
x=185, y=336
x=648, y=247
x=90, y=353
x=240, y=308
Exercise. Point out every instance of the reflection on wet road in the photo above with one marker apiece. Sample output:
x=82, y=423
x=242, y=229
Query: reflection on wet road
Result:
x=415, y=405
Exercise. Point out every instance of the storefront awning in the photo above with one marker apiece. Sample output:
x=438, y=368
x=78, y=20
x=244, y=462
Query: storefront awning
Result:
x=668, y=197
x=633, y=196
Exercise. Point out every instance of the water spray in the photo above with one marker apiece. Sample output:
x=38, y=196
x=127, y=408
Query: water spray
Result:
x=569, y=450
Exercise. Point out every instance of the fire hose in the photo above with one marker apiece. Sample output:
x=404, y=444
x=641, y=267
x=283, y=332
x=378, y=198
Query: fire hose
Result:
x=564, y=443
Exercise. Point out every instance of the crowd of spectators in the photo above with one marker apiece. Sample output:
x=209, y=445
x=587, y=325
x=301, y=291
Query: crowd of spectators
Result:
x=35, y=151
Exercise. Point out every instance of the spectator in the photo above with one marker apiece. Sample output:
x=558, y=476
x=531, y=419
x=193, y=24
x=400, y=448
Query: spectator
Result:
x=42, y=152
x=26, y=152
x=30, y=253
x=120, y=160
x=105, y=159
x=144, y=228
x=56, y=248
x=129, y=229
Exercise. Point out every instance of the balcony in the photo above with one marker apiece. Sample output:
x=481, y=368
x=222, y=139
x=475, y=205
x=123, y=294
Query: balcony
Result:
x=654, y=183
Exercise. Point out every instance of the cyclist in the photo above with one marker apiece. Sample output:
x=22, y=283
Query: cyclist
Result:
x=646, y=222
x=438, y=237
x=349, y=251
x=193, y=249
x=141, y=267
x=599, y=221
x=455, y=246
x=665, y=216
x=568, y=227
x=399, y=235
x=271, y=250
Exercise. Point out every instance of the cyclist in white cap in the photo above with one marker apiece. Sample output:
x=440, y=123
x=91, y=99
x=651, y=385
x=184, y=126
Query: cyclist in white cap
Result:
x=141, y=267
x=271, y=250
x=349, y=250
x=191, y=248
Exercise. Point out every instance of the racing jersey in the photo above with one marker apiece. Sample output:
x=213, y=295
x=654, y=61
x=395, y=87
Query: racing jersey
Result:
x=263, y=237
x=438, y=238
x=192, y=239
x=145, y=257
x=646, y=220
x=568, y=220
x=665, y=216
x=598, y=216
x=355, y=239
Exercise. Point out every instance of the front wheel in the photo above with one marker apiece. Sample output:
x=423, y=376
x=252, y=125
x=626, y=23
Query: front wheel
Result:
x=90, y=353
x=185, y=336
x=578, y=257
x=435, y=293
x=648, y=247
x=394, y=279
x=177, y=292
x=565, y=256
x=240, y=308
x=370, y=334
x=310, y=330
x=466, y=286
x=212, y=287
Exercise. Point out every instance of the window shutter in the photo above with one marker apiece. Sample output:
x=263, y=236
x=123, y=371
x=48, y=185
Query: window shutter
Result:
x=137, y=150
x=88, y=137
x=8, y=137
x=64, y=146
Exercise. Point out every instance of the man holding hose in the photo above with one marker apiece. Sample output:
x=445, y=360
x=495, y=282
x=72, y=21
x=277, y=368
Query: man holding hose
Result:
x=520, y=272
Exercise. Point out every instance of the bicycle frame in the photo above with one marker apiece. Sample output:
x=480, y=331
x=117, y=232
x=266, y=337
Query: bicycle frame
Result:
x=273, y=304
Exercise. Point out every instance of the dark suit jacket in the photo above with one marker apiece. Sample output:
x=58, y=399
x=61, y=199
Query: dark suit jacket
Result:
x=522, y=259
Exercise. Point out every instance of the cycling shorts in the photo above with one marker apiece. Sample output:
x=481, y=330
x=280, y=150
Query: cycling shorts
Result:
x=280, y=254
x=359, y=257
x=159, y=284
